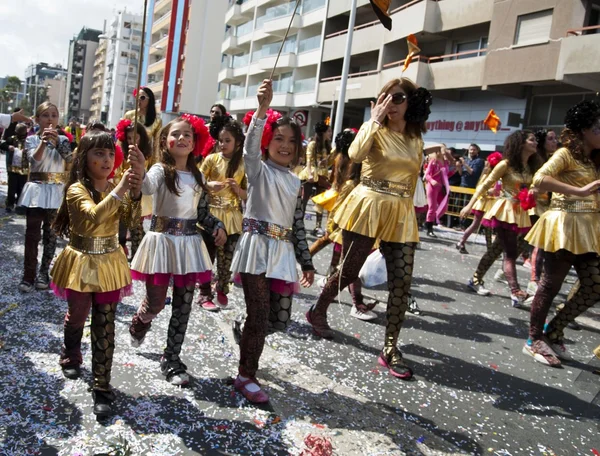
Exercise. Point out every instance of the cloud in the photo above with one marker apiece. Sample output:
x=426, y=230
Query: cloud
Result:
x=39, y=31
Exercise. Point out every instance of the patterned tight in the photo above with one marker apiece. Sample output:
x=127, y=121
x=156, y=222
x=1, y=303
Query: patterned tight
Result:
x=583, y=295
x=102, y=332
x=257, y=295
x=511, y=244
x=181, y=306
x=537, y=264
x=399, y=260
x=39, y=219
x=224, y=255
x=136, y=234
x=474, y=226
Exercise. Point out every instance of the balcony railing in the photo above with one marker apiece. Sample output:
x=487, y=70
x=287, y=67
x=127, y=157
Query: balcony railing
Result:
x=583, y=30
x=305, y=85
x=309, y=44
x=353, y=75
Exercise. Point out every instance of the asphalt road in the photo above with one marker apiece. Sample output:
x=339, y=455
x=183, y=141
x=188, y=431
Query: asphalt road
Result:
x=474, y=391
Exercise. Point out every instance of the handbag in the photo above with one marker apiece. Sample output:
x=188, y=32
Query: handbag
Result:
x=374, y=271
x=420, y=198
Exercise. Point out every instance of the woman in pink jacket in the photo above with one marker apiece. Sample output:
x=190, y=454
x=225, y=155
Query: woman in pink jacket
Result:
x=437, y=187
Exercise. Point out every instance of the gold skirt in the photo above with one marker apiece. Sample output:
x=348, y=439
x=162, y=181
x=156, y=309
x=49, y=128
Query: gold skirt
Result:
x=576, y=232
x=484, y=204
x=377, y=215
x=231, y=218
x=87, y=273
x=507, y=211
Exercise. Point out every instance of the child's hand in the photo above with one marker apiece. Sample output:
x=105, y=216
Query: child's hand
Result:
x=135, y=183
x=216, y=186
x=136, y=160
x=220, y=237
x=233, y=185
x=308, y=277
x=264, y=96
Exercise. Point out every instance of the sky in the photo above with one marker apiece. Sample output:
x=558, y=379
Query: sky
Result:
x=34, y=31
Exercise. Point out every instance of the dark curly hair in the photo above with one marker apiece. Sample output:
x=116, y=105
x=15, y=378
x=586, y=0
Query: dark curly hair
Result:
x=320, y=129
x=342, y=161
x=236, y=130
x=217, y=125
x=579, y=117
x=418, y=108
x=513, y=146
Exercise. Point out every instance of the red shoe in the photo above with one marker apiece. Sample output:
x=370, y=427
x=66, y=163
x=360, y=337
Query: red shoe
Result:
x=222, y=299
x=210, y=306
x=257, y=397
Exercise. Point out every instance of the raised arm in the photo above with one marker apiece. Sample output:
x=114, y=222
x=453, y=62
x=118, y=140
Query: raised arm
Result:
x=79, y=198
x=153, y=179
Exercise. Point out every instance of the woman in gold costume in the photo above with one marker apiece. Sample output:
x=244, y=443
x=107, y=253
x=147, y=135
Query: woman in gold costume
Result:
x=508, y=216
x=390, y=148
x=567, y=232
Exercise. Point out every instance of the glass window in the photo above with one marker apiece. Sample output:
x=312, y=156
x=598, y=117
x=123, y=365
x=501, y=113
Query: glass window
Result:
x=560, y=105
x=533, y=28
x=540, y=107
x=465, y=47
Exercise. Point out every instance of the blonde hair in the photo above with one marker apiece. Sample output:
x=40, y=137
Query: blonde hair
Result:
x=44, y=107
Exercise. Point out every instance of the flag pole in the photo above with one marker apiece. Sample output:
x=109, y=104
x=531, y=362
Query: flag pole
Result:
x=139, y=73
x=339, y=116
x=285, y=38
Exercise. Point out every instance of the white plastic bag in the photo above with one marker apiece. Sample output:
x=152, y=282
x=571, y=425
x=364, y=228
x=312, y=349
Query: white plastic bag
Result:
x=420, y=198
x=374, y=271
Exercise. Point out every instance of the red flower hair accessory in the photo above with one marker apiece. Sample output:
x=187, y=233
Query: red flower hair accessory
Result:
x=208, y=148
x=135, y=91
x=272, y=117
x=494, y=159
x=122, y=127
x=201, y=131
x=119, y=157
x=526, y=199
x=68, y=135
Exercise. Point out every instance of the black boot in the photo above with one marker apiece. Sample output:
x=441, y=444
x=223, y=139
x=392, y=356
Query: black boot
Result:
x=430, y=232
x=103, y=403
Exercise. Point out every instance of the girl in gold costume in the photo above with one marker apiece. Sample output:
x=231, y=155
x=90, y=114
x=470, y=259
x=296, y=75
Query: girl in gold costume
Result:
x=567, y=232
x=92, y=271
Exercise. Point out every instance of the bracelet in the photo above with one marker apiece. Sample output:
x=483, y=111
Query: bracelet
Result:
x=378, y=123
x=115, y=196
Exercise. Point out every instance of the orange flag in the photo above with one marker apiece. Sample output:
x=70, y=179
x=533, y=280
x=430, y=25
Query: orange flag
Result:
x=492, y=121
x=381, y=8
x=413, y=49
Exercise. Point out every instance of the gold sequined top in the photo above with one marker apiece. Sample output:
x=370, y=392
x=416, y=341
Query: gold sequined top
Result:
x=570, y=223
x=93, y=273
x=225, y=204
x=386, y=155
x=153, y=134
x=317, y=162
x=506, y=208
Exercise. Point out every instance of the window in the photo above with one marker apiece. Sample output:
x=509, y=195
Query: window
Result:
x=533, y=28
x=475, y=45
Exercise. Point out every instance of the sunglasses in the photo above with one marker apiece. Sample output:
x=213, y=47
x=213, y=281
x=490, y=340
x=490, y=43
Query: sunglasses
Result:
x=398, y=98
x=143, y=97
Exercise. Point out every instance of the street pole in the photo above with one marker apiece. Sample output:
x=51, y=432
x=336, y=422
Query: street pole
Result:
x=37, y=82
x=339, y=117
x=60, y=106
x=331, y=118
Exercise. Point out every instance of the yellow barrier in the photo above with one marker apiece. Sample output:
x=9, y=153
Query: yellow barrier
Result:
x=459, y=197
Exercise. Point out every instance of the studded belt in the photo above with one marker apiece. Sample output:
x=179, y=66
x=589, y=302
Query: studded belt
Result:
x=401, y=189
x=174, y=226
x=94, y=245
x=271, y=230
x=18, y=170
x=575, y=205
x=220, y=202
x=50, y=178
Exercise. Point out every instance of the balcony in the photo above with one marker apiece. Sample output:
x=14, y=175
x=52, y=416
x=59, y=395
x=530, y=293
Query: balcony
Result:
x=579, y=59
x=237, y=14
x=366, y=38
x=226, y=76
x=282, y=100
x=156, y=86
x=308, y=58
x=455, y=15
x=279, y=25
x=162, y=23
x=160, y=46
x=157, y=66
x=286, y=62
x=365, y=84
x=230, y=45
x=162, y=6
x=458, y=73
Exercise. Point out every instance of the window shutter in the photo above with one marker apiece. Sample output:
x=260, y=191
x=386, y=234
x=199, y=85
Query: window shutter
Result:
x=533, y=28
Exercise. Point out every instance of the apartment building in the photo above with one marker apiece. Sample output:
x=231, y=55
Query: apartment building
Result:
x=98, y=80
x=529, y=60
x=182, y=59
x=254, y=30
x=122, y=43
x=82, y=55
